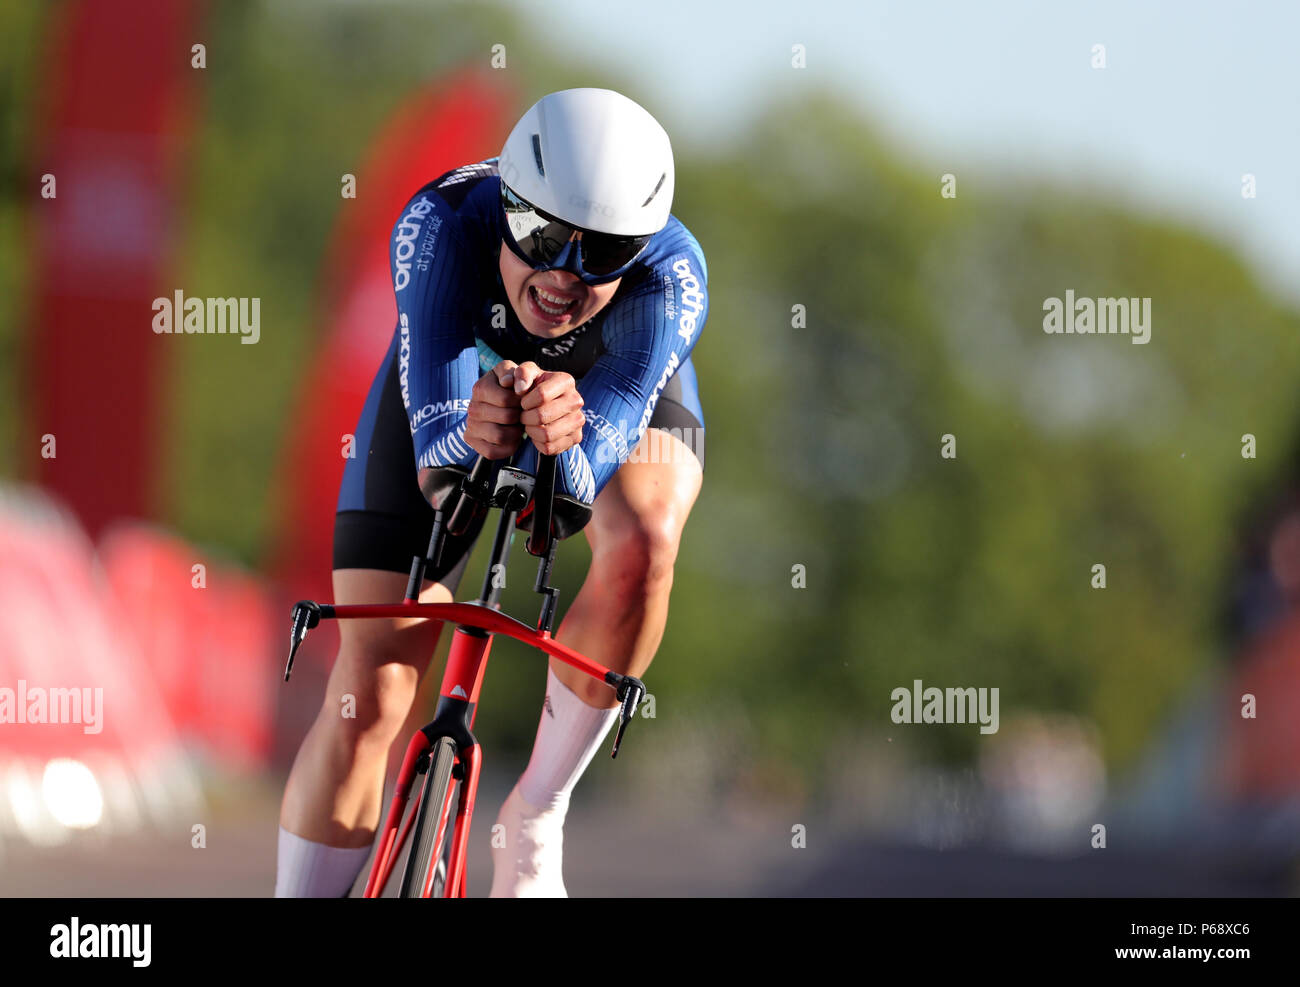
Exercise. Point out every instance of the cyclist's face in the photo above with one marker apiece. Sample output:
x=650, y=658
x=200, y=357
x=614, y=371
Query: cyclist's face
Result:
x=570, y=302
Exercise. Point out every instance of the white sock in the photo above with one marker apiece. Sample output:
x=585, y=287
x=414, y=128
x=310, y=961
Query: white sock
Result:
x=313, y=870
x=569, y=733
x=529, y=862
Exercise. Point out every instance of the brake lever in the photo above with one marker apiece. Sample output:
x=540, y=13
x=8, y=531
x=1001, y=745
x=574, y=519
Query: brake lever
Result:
x=631, y=690
x=306, y=615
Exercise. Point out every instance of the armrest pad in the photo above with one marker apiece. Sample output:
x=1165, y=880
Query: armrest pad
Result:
x=568, y=516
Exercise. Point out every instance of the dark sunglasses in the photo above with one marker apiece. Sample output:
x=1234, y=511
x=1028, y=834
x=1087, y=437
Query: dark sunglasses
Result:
x=541, y=241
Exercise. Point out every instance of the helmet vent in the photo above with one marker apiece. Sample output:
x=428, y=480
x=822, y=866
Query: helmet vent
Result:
x=537, y=156
x=656, y=191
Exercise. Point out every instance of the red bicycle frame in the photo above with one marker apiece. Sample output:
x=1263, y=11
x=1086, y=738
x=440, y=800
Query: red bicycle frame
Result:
x=475, y=625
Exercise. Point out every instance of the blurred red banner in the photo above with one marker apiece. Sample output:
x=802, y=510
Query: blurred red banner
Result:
x=116, y=112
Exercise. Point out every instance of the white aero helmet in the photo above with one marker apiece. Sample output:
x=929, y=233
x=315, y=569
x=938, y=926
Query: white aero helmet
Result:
x=594, y=159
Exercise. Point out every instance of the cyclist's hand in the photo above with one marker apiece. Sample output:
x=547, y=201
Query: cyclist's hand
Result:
x=552, y=408
x=492, y=426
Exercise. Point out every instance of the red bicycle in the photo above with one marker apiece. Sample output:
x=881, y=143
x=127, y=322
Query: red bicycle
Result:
x=445, y=751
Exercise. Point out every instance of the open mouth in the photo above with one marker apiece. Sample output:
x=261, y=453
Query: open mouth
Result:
x=553, y=306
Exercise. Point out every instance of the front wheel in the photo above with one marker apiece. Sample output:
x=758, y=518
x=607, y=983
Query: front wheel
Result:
x=432, y=823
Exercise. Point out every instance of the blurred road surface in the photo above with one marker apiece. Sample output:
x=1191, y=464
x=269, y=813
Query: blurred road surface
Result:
x=611, y=851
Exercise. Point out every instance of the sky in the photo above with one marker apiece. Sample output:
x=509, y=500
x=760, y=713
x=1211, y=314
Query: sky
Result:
x=1193, y=96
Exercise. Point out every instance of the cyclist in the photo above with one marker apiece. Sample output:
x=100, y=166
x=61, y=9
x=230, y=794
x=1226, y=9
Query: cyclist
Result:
x=545, y=295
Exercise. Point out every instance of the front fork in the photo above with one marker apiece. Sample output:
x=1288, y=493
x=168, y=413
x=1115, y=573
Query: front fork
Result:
x=457, y=705
x=469, y=763
x=390, y=845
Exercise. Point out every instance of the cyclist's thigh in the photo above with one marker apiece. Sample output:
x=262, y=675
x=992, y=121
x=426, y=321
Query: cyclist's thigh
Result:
x=654, y=490
x=407, y=641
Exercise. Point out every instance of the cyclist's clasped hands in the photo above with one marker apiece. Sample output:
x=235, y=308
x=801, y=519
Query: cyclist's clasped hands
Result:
x=514, y=399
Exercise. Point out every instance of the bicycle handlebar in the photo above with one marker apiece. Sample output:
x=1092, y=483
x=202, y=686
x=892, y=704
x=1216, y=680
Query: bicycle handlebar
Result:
x=477, y=492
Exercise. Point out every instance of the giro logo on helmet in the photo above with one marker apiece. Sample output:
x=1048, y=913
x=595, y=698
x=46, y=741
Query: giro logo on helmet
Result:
x=584, y=203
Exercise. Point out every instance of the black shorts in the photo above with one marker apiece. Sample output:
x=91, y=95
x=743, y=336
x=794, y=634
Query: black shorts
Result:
x=383, y=520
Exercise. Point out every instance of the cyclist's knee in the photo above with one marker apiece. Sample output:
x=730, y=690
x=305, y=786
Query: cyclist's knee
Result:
x=370, y=695
x=640, y=549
